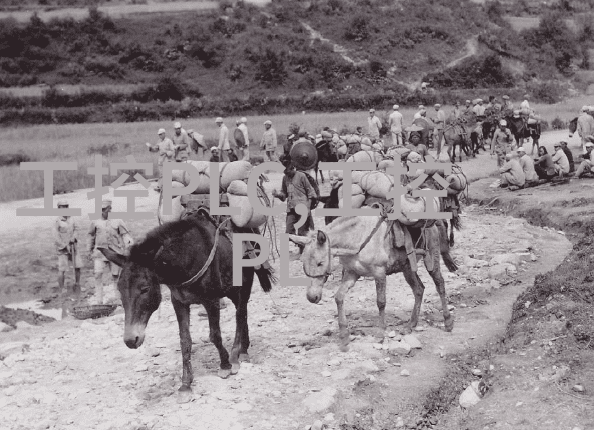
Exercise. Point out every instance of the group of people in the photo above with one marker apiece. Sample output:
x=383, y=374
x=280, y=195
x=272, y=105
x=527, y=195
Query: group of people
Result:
x=103, y=233
x=521, y=170
x=182, y=144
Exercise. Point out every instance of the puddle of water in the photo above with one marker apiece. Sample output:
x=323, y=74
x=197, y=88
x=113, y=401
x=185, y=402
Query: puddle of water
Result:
x=37, y=307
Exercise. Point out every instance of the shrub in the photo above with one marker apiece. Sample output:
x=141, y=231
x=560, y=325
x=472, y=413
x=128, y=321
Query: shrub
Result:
x=270, y=68
x=546, y=92
x=358, y=29
x=170, y=88
x=558, y=124
x=14, y=159
x=105, y=149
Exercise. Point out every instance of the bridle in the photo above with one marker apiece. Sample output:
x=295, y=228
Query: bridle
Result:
x=328, y=271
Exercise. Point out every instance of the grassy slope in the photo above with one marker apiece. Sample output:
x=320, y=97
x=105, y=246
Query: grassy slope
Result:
x=427, y=36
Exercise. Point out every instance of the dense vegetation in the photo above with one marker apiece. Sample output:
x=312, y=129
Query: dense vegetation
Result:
x=243, y=58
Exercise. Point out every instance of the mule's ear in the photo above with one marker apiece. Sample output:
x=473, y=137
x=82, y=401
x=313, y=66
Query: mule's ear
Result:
x=299, y=240
x=113, y=256
x=321, y=237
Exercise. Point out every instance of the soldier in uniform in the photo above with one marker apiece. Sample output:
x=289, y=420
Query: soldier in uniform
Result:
x=502, y=140
x=181, y=143
x=65, y=238
x=166, y=151
x=112, y=234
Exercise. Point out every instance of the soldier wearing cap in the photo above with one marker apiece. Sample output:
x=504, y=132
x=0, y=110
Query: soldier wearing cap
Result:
x=112, y=234
x=560, y=160
x=585, y=125
x=66, y=241
x=502, y=141
x=374, y=124
x=507, y=104
x=478, y=109
x=296, y=189
x=242, y=139
x=166, y=150
x=457, y=112
x=467, y=106
x=396, y=125
x=527, y=164
x=269, y=142
x=586, y=167
x=439, y=125
x=181, y=143
x=224, y=146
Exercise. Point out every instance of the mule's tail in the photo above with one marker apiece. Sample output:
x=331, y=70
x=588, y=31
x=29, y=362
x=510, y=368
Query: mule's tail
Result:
x=266, y=278
x=444, y=248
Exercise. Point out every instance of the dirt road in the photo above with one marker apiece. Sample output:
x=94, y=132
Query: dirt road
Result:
x=72, y=374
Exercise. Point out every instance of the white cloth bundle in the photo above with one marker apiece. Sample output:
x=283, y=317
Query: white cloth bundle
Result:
x=238, y=198
x=228, y=172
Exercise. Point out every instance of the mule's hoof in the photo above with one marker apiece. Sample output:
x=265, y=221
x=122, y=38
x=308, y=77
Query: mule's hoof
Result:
x=184, y=396
x=244, y=358
x=449, y=325
x=224, y=373
x=344, y=347
x=234, y=368
x=406, y=329
x=185, y=389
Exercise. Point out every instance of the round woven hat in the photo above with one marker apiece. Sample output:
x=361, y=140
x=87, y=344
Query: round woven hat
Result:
x=304, y=156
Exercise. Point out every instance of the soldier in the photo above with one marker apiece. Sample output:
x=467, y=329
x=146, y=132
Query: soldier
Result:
x=112, y=234
x=297, y=189
x=242, y=139
x=502, y=140
x=269, y=142
x=181, y=143
x=507, y=104
x=224, y=146
x=166, y=151
x=65, y=237
x=439, y=126
x=395, y=123
x=375, y=125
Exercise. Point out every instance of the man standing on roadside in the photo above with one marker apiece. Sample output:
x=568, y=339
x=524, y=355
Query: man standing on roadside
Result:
x=439, y=126
x=166, y=151
x=65, y=238
x=224, y=146
x=269, y=142
x=112, y=234
x=395, y=123
x=181, y=142
x=375, y=125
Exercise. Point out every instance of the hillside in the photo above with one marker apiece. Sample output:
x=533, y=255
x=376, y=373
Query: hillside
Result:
x=246, y=55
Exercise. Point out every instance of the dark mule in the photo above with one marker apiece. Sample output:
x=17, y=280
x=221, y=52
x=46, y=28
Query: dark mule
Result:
x=325, y=155
x=182, y=255
x=573, y=126
x=522, y=130
x=455, y=135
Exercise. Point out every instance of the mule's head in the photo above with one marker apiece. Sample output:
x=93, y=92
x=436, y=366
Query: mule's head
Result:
x=140, y=291
x=316, y=260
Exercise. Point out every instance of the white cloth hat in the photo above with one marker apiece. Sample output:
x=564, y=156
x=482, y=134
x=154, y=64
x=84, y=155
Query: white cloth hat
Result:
x=503, y=122
x=177, y=125
x=65, y=203
x=521, y=149
x=437, y=105
x=585, y=108
x=219, y=119
x=395, y=107
x=589, y=144
x=243, y=119
x=371, y=110
x=268, y=122
x=161, y=131
x=105, y=203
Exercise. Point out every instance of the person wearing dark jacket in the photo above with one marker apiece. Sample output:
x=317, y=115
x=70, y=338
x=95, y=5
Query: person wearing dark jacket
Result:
x=569, y=156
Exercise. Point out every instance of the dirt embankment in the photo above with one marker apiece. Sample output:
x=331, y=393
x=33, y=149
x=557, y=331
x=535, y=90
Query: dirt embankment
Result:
x=543, y=368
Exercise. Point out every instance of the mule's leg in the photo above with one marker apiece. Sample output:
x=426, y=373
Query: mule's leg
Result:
x=214, y=317
x=451, y=233
x=380, y=287
x=242, y=316
x=348, y=280
x=434, y=250
x=182, y=312
x=418, y=289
